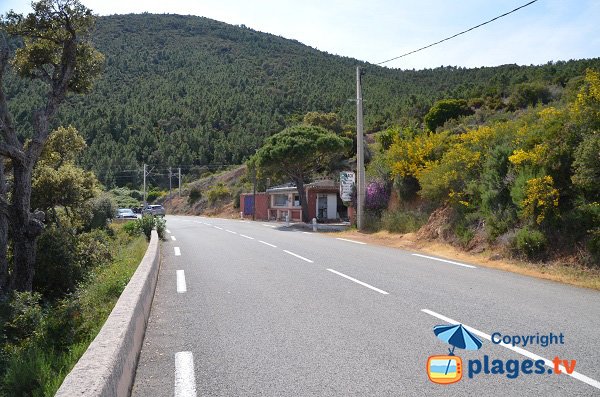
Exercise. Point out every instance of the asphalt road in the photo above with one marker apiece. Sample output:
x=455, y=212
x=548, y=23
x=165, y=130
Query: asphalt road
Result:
x=246, y=308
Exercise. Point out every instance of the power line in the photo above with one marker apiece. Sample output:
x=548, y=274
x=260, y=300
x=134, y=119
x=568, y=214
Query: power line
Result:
x=458, y=34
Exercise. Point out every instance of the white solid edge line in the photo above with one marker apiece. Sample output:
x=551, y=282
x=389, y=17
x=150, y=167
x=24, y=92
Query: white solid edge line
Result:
x=185, y=380
x=173, y=238
x=217, y=227
x=351, y=241
x=177, y=251
x=521, y=351
x=168, y=231
x=181, y=286
x=359, y=282
x=265, y=243
x=230, y=231
x=248, y=237
x=298, y=256
x=447, y=261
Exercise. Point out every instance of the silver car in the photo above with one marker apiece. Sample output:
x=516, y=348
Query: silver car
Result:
x=157, y=210
x=126, y=213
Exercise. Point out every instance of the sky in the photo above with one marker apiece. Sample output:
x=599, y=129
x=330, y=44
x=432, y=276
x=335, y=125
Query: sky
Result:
x=377, y=30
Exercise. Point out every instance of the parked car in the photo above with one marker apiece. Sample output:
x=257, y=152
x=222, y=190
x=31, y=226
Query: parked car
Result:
x=158, y=210
x=126, y=213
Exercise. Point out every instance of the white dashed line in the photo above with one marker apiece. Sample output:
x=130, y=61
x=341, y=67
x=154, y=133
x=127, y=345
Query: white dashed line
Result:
x=173, y=238
x=177, y=251
x=181, y=287
x=359, y=282
x=298, y=256
x=168, y=231
x=445, y=260
x=230, y=231
x=264, y=224
x=521, y=351
x=185, y=380
x=248, y=237
x=217, y=227
x=265, y=243
x=307, y=232
x=351, y=241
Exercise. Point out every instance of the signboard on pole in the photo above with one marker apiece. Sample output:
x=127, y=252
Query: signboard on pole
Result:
x=347, y=181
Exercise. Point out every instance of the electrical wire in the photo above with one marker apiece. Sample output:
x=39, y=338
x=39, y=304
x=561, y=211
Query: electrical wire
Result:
x=458, y=34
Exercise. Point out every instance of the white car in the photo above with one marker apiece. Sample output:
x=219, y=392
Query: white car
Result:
x=126, y=213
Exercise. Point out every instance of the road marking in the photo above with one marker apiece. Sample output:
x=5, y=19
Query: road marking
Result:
x=217, y=227
x=185, y=380
x=351, y=241
x=264, y=224
x=181, y=287
x=208, y=224
x=177, y=251
x=359, y=282
x=168, y=231
x=521, y=351
x=298, y=256
x=230, y=231
x=445, y=260
x=307, y=232
x=173, y=238
x=265, y=243
x=248, y=237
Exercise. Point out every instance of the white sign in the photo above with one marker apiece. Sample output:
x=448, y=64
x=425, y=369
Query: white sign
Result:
x=347, y=181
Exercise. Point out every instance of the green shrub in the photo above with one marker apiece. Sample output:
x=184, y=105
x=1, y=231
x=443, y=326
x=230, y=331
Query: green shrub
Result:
x=64, y=260
x=403, y=221
x=372, y=221
x=146, y=224
x=92, y=250
x=132, y=228
x=57, y=271
x=218, y=193
x=445, y=110
x=161, y=226
x=102, y=209
x=21, y=316
x=195, y=195
x=529, y=243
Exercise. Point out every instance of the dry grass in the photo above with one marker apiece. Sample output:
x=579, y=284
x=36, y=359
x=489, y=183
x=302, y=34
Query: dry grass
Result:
x=563, y=272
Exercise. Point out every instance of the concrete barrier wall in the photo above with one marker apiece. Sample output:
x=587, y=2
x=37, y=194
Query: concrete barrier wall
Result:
x=107, y=368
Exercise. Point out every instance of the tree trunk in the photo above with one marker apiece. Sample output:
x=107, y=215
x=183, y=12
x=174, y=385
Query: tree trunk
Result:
x=303, y=200
x=3, y=235
x=25, y=230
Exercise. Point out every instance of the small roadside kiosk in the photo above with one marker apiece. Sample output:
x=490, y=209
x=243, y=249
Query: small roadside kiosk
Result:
x=324, y=202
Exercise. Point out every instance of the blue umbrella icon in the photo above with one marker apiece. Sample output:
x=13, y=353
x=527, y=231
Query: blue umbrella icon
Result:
x=457, y=336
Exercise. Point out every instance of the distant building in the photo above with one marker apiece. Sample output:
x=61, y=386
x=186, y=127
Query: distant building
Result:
x=323, y=200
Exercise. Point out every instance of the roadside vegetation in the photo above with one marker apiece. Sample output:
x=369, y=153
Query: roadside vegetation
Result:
x=43, y=333
x=524, y=181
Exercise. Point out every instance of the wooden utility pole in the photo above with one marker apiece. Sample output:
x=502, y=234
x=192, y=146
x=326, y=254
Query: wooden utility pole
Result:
x=360, y=155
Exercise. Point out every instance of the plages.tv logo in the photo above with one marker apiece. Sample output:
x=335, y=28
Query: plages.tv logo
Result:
x=446, y=369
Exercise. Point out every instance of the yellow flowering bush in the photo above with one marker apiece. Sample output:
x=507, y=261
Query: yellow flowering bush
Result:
x=541, y=198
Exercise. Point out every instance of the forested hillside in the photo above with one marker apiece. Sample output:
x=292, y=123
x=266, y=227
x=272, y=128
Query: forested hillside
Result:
x=190, y=90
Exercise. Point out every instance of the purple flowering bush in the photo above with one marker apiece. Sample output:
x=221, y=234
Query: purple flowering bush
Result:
x=377, y=196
